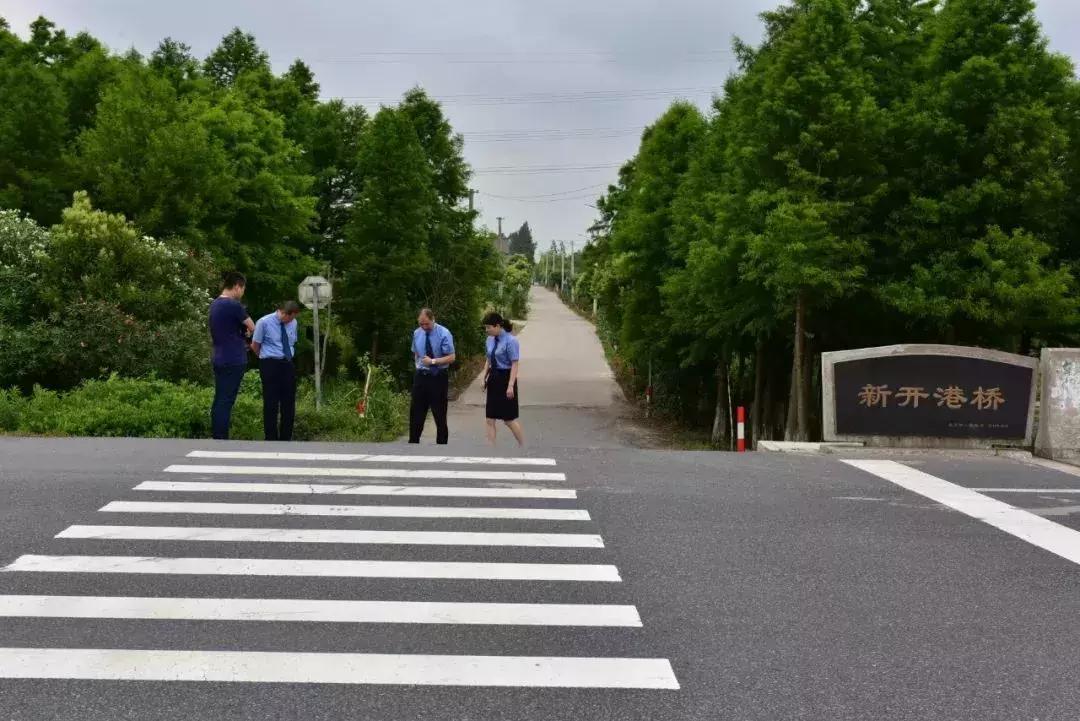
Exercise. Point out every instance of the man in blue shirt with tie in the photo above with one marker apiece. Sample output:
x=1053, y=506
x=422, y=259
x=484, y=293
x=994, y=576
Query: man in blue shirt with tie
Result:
x=275, y=343
x=433, y=352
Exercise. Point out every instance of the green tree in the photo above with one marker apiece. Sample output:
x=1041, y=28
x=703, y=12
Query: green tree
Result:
x=237, y=54
x=820, y=127
x=173, y=61
x=385, y=252
x=33, y=126
x=990, y=189
x=303, y=79
x=516, y=281
x=214, y=170
x=462, y=261
x=640, y=235
x=521, y=242
x=332, y=147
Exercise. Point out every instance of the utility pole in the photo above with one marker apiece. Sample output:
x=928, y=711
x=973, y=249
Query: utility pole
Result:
x=562, y=272
x=499, y=218
x=472, y=198
x=594, y=296
x=571, y=271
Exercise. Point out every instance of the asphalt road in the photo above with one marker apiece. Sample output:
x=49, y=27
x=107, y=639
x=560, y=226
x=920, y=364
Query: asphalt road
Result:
x=776, y=587
x=567, y=392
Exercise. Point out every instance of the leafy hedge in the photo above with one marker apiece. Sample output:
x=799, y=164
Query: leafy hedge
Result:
x=151, y=408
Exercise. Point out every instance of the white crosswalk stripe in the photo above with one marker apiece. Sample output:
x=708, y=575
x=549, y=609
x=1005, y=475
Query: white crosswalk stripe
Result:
x=426, y=473
x=485, y=564
x=325, y=535
x=298, y=610
x=338, y=668
x=362, y=458
x=306, y=567
x=345, y=490
x=289, y=509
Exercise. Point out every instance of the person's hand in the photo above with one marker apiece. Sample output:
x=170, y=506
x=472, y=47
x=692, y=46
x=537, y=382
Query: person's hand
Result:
x=427, y=361
x=510, y=393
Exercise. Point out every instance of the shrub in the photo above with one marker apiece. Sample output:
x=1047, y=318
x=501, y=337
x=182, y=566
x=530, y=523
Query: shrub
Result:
x=12, y=406
x=386, y=417
x=154, y=408
x=91, y=297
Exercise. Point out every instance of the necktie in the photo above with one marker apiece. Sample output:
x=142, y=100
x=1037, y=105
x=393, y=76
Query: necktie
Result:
x=429, y=351
x=286, y=348
x=491, y=358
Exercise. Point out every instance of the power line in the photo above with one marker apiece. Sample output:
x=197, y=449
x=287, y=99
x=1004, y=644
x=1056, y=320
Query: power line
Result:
x=547, y=94
x=541, y=169
x=551, y=139
x=379, y=53
x=550, y=97
x=546, y=195
x=586, y=196
x=553, y=135
x=415, y=57
x=545, y=131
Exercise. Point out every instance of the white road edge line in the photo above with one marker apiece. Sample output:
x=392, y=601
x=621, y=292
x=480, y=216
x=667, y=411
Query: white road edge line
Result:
x=320, y=568
x=1038, y=531
x=365, y=458
x=322, y=535
x=354, y=490
x=336, y=668
x=306, y=471
x=321, y=611
x=287, y=509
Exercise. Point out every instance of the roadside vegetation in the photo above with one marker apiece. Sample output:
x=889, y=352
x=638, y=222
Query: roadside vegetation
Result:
x=876, y=172
x=130, y=182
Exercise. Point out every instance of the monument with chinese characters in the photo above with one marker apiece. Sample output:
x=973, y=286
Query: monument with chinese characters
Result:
x=928, y=396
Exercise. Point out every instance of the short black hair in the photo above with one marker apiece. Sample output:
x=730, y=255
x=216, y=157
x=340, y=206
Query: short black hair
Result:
x=290, y=307
x=231, y=279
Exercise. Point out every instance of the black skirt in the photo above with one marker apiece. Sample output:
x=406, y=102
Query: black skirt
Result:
x=499, y=407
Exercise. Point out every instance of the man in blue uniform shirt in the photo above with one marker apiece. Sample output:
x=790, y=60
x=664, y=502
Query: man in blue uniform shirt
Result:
x=275, y=343
x=433, y=352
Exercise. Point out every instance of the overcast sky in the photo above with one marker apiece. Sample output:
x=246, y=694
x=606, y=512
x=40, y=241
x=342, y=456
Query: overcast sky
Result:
x=551, y=95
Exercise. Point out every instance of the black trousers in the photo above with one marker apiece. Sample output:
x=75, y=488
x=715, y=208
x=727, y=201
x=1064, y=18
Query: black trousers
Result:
x=429, y=390
x=227, y=380
x=279, y=397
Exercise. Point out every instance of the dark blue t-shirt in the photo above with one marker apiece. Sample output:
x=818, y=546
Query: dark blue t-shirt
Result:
x=227, y=318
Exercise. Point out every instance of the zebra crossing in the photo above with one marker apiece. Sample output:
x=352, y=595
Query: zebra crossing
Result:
x=463, y=529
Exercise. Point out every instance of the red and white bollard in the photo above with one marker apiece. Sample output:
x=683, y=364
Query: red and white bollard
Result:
x=740, y=428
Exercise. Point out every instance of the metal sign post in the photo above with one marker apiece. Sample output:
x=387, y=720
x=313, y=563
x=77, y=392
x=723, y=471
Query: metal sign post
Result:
x=316, y=292
x=318, y=344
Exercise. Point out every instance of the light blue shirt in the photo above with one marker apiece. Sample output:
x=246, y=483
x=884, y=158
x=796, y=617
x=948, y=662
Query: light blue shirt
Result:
x=442, y=344
x=507, y=353
x=268, y=336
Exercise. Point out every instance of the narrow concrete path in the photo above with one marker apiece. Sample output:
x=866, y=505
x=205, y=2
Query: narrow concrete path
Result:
x=568, y=394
